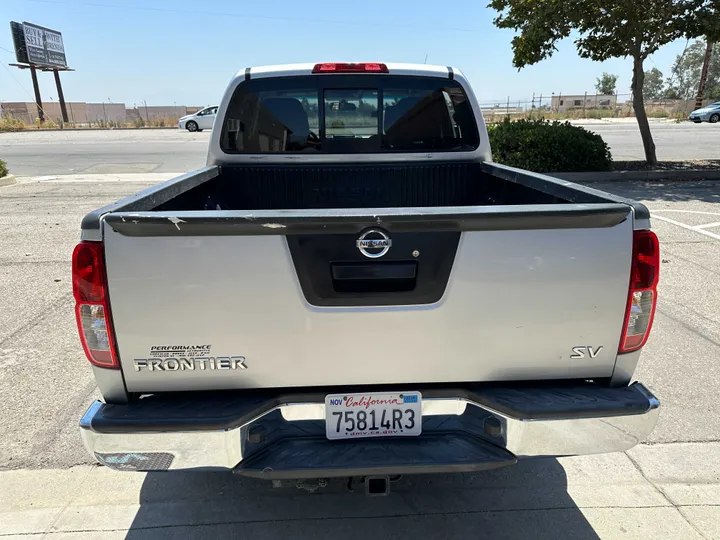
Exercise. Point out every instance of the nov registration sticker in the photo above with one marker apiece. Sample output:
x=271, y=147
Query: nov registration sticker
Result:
x=384, y=414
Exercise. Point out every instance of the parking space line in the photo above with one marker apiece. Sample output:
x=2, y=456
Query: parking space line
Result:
x=708, y=225
x=696, y=229
x=687, y=211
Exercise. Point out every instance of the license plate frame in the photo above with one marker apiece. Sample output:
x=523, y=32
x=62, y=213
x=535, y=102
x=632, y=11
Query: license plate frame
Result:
x=409, y=417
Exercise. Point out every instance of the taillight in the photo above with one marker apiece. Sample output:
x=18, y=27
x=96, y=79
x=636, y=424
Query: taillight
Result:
x=91, y=304
x=364, y=67
x=642, y=295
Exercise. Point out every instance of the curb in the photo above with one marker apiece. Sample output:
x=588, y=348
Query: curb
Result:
x=622, y=176
x=8, y=180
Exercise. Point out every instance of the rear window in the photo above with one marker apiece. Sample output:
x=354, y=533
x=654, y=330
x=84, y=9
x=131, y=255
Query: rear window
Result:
x=341, y=114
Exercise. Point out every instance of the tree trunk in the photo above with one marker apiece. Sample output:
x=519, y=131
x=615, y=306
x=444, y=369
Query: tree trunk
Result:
x=639, y=106
x=703, y=75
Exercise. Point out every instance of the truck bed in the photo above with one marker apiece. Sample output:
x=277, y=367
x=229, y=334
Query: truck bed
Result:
x=282, y=187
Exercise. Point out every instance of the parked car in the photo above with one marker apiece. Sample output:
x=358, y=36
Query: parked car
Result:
x=203, y=119
x=711, y=114
x=352, y=288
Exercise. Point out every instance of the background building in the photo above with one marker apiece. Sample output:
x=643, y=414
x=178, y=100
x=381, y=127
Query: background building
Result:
x=562, y=103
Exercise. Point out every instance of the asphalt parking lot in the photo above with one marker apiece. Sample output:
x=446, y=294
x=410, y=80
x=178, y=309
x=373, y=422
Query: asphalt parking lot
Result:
x=668, y=487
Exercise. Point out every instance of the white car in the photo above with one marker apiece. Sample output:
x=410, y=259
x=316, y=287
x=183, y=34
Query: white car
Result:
x=203, y=119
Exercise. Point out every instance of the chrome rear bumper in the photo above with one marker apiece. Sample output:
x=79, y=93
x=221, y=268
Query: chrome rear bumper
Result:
x=231, y=431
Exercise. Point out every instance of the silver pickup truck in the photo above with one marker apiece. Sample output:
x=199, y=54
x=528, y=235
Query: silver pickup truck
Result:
x=351, y=287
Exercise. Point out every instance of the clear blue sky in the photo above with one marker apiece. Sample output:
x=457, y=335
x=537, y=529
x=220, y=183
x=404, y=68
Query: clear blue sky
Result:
x=185, y=51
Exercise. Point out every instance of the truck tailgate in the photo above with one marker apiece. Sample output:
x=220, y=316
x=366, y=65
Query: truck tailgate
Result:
x=216, y=300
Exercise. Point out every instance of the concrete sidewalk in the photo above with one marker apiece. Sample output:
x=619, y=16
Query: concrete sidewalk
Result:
x=667, y=491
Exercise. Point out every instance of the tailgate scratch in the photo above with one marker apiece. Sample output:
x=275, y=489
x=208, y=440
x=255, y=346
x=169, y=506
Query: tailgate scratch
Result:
x=175, y=221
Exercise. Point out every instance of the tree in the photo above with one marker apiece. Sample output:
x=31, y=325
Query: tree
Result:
x=654, y=87
x=686, y=72
x=606, y=84
x=608, y=29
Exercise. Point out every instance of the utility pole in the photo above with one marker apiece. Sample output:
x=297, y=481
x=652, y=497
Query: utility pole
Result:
x=703, y=75
x=38, y=99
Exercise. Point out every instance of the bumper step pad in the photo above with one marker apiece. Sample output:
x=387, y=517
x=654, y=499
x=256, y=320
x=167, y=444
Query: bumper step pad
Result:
x=320, y=458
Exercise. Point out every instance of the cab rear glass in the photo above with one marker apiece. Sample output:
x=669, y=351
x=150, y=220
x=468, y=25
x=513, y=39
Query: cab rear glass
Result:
x=346, y=114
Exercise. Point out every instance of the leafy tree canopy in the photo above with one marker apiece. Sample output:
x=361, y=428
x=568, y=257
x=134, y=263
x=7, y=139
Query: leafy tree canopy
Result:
x=606, y=84
x=686, y=72
x=607, y=29
x=654, y=87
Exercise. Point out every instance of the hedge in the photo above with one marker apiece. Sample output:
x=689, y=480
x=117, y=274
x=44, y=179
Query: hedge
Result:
x=3, y=168
x=544, y=146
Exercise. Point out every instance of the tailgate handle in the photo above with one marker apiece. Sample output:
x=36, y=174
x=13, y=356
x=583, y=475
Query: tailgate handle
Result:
x=374, y=277
x=391, y=270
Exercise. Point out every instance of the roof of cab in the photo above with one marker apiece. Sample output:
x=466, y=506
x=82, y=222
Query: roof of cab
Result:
x=289, y=70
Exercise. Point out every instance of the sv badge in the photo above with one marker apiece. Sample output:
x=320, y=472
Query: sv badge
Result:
x=581, y=352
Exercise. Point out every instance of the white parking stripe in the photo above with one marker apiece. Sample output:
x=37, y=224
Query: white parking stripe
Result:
x=708, y=225
x=688, y=227
x=687, y=211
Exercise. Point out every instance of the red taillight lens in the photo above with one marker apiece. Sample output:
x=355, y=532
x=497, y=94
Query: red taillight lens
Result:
x=88, y=273
x=642, y=295
x=91, y=306
x=365, y=67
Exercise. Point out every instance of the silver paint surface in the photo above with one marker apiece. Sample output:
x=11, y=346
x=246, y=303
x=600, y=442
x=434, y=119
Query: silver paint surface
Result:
x=516, y=304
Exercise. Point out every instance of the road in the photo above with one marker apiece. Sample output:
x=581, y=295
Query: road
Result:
x=672, y=141
x=166, y=150
x=668, y=487
x=108, y=151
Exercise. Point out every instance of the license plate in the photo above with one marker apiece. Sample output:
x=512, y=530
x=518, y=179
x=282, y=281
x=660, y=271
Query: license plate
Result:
x=385, y=414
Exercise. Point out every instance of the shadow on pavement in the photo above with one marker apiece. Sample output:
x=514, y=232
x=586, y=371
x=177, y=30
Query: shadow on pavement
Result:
x=525, y=501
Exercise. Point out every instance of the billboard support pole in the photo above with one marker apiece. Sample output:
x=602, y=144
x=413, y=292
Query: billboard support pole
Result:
x=61, y=96
x=38, y=99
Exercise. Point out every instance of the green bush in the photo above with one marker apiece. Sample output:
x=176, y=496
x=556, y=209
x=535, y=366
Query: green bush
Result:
x=542, y=146
x=3, y=168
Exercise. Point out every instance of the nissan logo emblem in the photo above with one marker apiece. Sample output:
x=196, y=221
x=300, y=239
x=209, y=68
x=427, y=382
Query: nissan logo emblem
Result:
x=374, y=243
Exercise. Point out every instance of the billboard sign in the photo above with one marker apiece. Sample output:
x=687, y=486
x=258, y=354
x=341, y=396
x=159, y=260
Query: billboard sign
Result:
x=38, y=45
